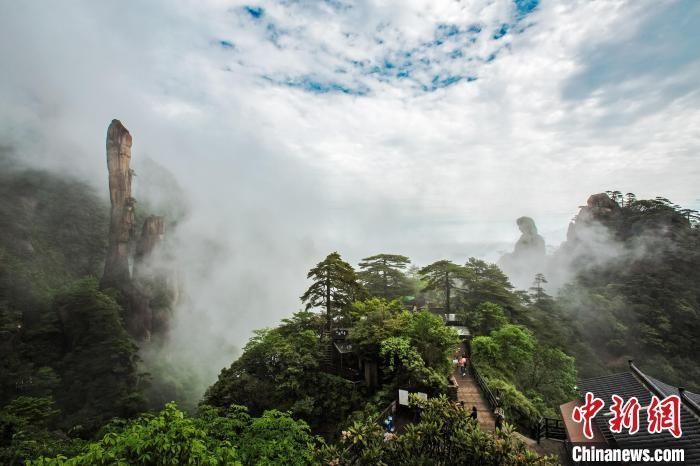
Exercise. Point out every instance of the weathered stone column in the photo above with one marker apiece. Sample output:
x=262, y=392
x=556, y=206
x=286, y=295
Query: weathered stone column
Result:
x=121, y=225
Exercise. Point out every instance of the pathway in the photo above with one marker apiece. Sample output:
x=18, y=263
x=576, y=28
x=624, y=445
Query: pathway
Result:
x=469, y=392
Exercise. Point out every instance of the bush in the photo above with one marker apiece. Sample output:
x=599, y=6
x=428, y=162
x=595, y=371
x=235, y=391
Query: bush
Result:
x=444, y=435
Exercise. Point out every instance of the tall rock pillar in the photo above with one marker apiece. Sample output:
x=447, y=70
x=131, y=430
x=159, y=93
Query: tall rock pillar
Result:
x=121, y=225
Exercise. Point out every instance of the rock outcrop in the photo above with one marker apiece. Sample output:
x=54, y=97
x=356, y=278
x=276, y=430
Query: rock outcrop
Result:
x=599, y=209
x=530, y=243
x=136, y=289
x=528, y=257
x=116, y=272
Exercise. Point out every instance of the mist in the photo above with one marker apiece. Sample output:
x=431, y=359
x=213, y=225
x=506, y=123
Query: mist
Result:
x=260, y=178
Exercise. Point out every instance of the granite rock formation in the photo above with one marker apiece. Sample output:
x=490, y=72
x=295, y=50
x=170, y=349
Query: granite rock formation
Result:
x=121, y=226
x=136, y=288
x=599, y=209
x=528, y=257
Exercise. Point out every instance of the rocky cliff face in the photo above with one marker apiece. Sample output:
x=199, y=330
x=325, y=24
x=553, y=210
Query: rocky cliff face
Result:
x=121, y=224
x=137, y=288
x=599, y=209
x=590, y=241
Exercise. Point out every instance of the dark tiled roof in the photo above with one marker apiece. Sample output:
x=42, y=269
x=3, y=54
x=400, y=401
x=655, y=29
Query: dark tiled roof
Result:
x=627, y=385
x=671, y=390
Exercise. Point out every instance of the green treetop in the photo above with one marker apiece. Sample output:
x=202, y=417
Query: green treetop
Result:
x=441, y=276
x=334, y=286
x=383, y=275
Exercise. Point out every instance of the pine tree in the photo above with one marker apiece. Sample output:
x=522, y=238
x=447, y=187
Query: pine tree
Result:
x=382, y=275
x=441, y=276
x=537, y=287
x=334, y=286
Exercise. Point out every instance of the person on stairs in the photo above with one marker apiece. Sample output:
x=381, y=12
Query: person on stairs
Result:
x=474, y=413
x=499, y=417
x=463, y=365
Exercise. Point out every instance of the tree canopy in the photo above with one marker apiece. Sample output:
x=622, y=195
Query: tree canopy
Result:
x=441, y=276
x=383, y=275
x=334, y=286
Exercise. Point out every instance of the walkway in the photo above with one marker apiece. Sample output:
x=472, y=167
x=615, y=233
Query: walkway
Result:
x=469, y=392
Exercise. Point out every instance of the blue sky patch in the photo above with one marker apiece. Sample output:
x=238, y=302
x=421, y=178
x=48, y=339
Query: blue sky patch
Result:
x=502, y=31
x=338, y=5
x=443, y=60
x=525, y=7
x=440, y=82
x=273, y=34
x=256, y=12
x=318, y=86
x=225, y=44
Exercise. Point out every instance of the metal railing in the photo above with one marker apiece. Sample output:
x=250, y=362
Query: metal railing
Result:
x=685, y=399
x=549, y=428
x=492, y=399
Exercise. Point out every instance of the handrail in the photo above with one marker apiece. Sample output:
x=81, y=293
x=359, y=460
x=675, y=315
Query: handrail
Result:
x=689, y=402
x=549, y=428
x=490, y=397
x=385, y=411
x=685, y=399
x=651, y=386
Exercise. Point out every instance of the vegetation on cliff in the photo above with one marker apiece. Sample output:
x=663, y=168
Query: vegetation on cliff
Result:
x=71, y=387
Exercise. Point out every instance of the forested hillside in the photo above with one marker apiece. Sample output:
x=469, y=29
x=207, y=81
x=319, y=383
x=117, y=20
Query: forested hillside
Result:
x=644, y=303
x=71, y=381
x=68, y=365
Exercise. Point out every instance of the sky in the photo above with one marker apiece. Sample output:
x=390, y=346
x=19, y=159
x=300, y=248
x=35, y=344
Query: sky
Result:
x=299, y=127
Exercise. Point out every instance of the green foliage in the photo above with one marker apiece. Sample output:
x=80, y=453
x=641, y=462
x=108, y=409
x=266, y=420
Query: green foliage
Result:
x=383, y=275
x=537, y=289
x=276, y=438
x=402, y=355
x=100, y=358
x=374, y=321
x=444, y=435
x=646, y=304
x=505, y=350
x=414, y=346
x=483, y=282
x=432, y=338
x=53, y=230
x=533, y=379
x=78, y=359
x=486, y=318
x=280, y=369
x=334, y=286
x=172, y=437
x=441, y=276
x=27, y=430
x=519, y=409
x=168, y=438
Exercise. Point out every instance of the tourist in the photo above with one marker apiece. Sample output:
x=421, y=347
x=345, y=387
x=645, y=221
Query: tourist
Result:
x=499, y=421
x=389, y=424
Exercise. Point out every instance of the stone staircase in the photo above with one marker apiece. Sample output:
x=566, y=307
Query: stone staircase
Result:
x=326, y=356
x=469, y=392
